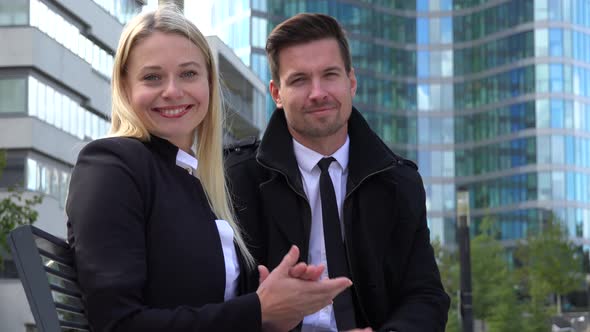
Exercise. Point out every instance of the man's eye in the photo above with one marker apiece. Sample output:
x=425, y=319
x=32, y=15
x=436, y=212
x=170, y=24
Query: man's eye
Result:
x=297, y=80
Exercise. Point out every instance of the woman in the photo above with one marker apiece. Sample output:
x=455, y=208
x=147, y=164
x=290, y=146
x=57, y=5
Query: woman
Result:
x=156, y=245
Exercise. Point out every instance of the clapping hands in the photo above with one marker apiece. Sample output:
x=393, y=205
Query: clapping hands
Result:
x=293, y=290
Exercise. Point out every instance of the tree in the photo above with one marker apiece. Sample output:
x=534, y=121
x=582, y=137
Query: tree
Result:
x=494, y=296
x=551, y=264
x=449, y=274
x=15, y=210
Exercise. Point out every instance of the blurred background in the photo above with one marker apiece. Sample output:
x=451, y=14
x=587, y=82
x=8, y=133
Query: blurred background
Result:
x=490, y=98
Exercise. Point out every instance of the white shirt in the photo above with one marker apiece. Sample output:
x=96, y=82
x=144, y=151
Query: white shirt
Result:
x=307, y=160
x=226, y=234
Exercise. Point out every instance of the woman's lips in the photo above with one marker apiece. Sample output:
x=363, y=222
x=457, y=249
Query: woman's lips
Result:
x=172, y=112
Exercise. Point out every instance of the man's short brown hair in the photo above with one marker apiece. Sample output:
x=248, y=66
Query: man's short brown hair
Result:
x=304, y=28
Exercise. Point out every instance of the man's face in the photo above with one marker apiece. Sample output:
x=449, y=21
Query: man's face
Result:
x=315, y=91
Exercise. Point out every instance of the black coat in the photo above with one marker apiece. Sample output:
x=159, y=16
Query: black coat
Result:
x=147, y=249
x=396, y=281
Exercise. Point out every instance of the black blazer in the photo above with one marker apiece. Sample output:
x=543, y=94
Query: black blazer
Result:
x=147, y=249
x=396, y=283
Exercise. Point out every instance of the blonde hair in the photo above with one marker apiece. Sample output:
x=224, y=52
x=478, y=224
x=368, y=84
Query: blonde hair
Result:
x=208, y=141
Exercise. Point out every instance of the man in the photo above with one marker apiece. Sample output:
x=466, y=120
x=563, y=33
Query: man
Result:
x=321, y=179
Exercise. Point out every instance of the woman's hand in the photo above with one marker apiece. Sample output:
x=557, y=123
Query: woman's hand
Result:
x=292, y=291
x=301, y=271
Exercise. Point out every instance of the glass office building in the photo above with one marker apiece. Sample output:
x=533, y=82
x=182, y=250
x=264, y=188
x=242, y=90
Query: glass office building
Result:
x=492, y=96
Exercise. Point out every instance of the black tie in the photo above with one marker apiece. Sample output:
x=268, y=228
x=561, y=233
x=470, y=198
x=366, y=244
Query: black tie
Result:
x=335, y=250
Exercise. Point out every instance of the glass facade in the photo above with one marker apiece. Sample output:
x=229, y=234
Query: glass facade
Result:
x=63, y=29
x=69, y=36
x=14, y=12
x=47, y=179
x=122, y=10
x=28, y=95
x=59, y=110
x=492, y=96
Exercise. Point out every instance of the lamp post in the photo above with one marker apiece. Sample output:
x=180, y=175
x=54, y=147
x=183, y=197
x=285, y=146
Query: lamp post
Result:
x=465, y=297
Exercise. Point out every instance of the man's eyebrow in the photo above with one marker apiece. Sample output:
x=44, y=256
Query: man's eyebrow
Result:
x=294, y=75
x=333, y=68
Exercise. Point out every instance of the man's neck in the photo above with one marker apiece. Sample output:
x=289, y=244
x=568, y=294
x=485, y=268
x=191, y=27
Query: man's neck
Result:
x=323, y=145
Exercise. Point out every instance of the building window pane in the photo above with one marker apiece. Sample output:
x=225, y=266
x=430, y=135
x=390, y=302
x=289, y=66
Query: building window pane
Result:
x=32, y=175
x=423, y=31
x=50, y=114
x=13, y=95
x=33, y=95
x=41, y=102
x=14, y=12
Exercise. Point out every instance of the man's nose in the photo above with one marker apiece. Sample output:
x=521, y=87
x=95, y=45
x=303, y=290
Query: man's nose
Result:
x=318, y=91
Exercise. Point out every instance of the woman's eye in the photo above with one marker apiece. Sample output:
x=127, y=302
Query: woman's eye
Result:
x=189, y=74
x=151, y=77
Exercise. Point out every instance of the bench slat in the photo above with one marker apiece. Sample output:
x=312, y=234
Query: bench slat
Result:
x=68, y=300
x=71, y=317
x=58, y=268
x=63, y=283
x=65, y=291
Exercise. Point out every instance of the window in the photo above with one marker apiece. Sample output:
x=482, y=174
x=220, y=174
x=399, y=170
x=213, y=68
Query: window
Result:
x=13, y=12
x=59, y=110
x=68, y=35
x=423, y=31
x=47, y=179
x=12, y=95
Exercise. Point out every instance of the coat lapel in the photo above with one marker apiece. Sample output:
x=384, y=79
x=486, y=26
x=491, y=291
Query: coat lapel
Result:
x=291, y=213
x=287, y=212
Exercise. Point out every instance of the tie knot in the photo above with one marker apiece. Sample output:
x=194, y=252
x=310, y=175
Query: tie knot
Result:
x=324, y=164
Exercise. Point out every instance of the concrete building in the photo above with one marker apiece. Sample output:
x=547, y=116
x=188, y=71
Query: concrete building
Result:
x=243, y=93
x=55, y=68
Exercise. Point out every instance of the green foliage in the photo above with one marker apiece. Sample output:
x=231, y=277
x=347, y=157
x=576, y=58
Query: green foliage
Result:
x=15, y=210
x=538, y=314
x=507, y=315
x=449, y=273
x=516, y=298
x=494, y=296
x=551, y=264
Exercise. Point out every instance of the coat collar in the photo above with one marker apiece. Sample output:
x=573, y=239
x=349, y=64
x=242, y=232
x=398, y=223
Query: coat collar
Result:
x=368, y=154
x=171, y=154
x=163, y=147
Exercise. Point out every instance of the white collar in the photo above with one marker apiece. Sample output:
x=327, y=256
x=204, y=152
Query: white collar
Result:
x=187, y=161
x=307, y=158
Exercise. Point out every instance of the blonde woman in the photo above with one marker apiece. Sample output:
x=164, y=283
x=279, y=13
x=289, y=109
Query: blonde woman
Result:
x=156, y=245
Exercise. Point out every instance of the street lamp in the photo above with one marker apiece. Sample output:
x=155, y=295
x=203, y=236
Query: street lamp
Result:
x=465, y=297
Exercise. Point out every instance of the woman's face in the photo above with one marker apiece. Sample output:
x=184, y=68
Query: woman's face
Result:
x=167, y=86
